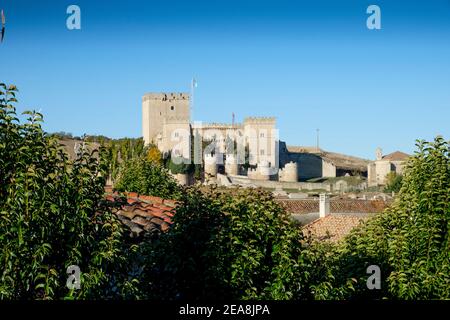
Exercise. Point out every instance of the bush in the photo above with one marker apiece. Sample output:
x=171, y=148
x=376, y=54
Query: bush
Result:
x=145, y=177
x=225, y=245
x=179, y=165
x=154, y=155
x=394, y=182
x=410, y=241
x=52, y=216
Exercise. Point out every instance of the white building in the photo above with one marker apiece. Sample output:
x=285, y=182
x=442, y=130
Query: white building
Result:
x=383, y=165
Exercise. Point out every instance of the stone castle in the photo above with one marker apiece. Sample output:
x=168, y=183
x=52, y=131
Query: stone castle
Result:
x=166, y=122
x=249, y=151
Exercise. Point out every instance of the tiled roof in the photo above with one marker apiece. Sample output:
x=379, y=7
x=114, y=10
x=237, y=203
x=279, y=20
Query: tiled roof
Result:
x=300, y=206
x=332, y=227
x=396, y=156
x=337, y=206
x=145, y=216
x=306, y=149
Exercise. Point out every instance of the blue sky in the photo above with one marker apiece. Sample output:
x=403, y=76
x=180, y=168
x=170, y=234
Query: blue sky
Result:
x=311, y=64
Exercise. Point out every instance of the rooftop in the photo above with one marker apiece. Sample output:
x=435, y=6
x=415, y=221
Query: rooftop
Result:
x=145, y=216
x=337, y=205
x=396, y=156
x=340, y=160
x=333, y=227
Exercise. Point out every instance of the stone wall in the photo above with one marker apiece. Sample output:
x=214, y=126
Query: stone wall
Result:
x=309, y=165
x=246, y=181
x=335, y=186
x=328, y=169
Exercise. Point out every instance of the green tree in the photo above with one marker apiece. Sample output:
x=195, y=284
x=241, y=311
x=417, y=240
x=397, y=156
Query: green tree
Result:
x=410, y=241
x=393, y=182
x=52, y=216
x=145, y=177
x=154, y=155
x=225, y=245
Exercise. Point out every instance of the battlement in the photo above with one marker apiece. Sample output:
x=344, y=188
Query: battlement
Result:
x=216, y=125
x=166, y=96
x=259, y=120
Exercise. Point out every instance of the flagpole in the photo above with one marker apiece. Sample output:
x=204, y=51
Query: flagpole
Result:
x=192, y=98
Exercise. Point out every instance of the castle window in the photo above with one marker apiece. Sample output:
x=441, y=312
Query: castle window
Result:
x=261, y=152
x=172, y=108
x=261, y=135
x=176, y=135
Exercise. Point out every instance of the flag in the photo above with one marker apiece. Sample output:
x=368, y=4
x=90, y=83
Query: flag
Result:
x=194, y=83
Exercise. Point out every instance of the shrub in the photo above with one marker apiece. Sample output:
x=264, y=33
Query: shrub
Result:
x=237, y=245
x=145, y=177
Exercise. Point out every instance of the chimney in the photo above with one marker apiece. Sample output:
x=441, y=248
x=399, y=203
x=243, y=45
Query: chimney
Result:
x=324, y=205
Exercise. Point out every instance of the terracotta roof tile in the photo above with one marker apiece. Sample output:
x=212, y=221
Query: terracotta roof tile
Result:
x=164, y=226
x=142, y=214
x=151, y=199
x=332, y=227
x=131, y=200
x=140, y=221
x=170, y=203
x=128, y=214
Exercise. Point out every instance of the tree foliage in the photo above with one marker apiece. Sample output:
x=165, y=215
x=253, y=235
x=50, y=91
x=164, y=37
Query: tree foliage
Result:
x=145, y=177
x=410, y=241
x=52, y=216
x=239, y=245
x=154, y=155
x=233, y=244
x=393, y=182
x=119, y=151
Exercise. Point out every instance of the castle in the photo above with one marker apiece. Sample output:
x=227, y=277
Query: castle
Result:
x=250, y=149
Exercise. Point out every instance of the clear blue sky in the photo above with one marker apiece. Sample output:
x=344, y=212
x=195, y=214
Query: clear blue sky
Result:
x=311, y=64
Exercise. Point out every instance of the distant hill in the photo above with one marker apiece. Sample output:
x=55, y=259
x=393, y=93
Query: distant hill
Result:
x=70, y=146
x=340, y=160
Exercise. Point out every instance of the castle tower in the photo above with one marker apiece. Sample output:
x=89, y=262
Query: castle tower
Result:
x=211, y=164
x=289, y=173
x=160, y=108
x=262, y=139
x=231, y=166
x=264, y=170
